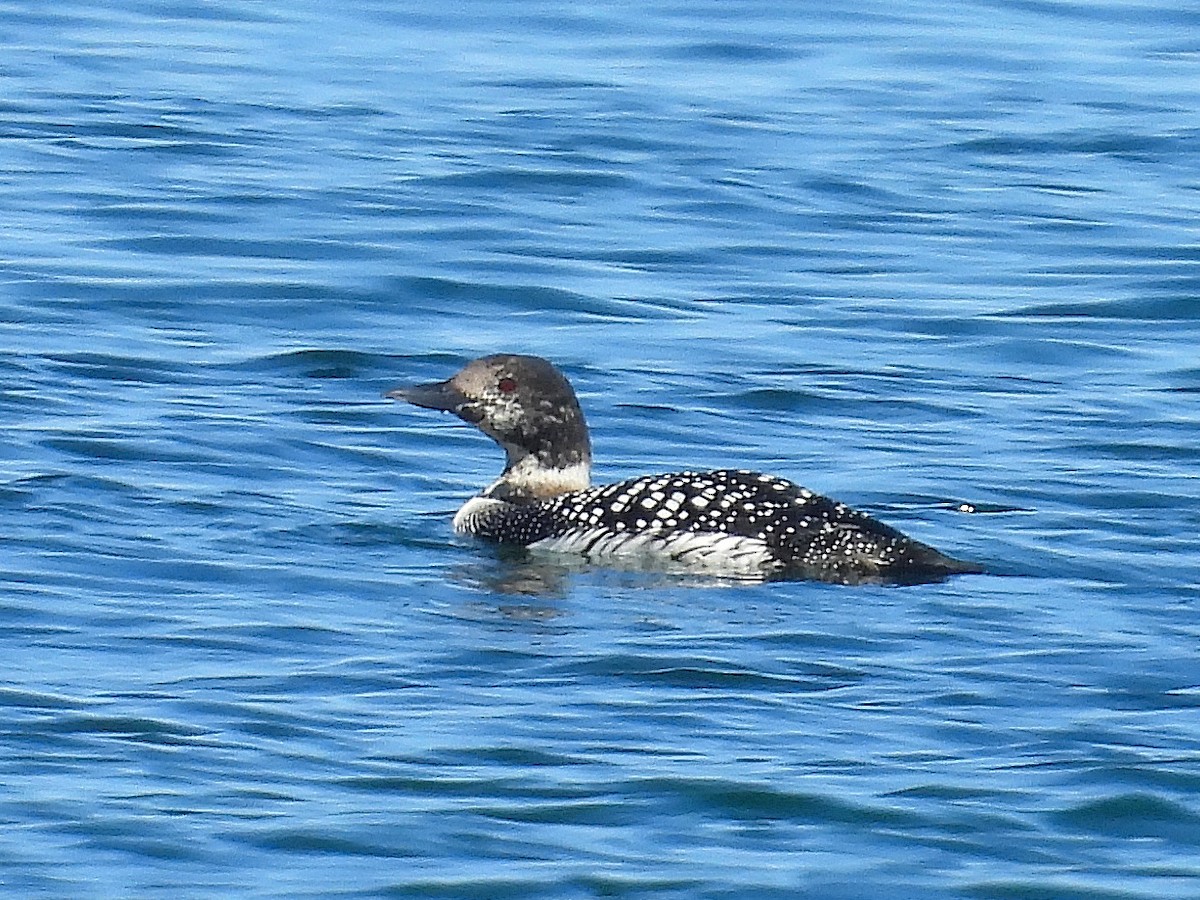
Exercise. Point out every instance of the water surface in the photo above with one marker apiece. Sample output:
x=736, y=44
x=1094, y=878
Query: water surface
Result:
x=921, y=259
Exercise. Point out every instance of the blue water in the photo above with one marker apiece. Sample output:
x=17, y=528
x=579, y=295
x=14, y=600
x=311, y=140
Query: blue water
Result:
x=922, y=257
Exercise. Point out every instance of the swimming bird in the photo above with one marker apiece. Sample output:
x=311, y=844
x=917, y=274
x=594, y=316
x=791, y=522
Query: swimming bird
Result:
x=728, y=522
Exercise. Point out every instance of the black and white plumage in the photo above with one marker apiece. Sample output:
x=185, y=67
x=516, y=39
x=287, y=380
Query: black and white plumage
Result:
x=732, y=522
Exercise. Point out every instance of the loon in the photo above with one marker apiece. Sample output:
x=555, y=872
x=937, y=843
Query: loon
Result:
x=726, y=522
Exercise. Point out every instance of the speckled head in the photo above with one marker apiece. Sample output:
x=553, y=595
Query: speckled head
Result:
x=523, y=403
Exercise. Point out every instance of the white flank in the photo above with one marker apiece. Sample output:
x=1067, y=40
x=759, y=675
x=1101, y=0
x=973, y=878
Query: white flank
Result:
x=708, y=552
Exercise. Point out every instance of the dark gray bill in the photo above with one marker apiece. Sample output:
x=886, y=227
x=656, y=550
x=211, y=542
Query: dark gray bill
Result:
x=441, y=395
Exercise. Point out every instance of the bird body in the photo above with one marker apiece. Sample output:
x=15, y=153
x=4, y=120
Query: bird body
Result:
x=729, y=521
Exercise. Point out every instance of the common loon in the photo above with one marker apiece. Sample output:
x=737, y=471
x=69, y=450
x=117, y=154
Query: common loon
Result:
x=732, y=522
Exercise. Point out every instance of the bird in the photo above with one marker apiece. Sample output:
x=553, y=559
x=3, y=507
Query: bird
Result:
x=732, y=522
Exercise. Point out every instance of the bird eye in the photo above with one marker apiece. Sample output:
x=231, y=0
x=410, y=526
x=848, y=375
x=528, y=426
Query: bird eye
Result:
x=507, y=385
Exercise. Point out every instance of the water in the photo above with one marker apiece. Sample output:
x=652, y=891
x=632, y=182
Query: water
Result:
x=911, y=256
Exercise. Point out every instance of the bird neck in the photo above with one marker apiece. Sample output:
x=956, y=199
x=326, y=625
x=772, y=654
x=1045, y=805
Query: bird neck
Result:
x=529, y=478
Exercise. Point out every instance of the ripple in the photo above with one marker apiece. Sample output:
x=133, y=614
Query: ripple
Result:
x=1133, y=816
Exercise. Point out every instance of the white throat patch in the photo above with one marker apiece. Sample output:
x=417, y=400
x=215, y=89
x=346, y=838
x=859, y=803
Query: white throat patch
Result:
x=537, y=481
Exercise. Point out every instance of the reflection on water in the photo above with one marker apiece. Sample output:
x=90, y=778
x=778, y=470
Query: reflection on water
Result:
x=552, y=576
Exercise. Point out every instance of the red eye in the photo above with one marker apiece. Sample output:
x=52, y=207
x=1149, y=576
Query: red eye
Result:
x=507, y=385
